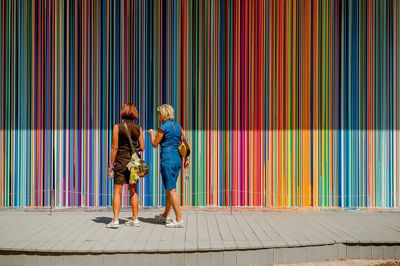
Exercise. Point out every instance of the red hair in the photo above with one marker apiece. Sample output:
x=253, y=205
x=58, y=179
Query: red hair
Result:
x=129, y=111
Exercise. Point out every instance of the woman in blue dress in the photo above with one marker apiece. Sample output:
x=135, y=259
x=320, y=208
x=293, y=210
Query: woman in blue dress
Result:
x=169, y=137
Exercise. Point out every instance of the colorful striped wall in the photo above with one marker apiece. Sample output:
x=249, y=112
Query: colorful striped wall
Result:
x=285, y=103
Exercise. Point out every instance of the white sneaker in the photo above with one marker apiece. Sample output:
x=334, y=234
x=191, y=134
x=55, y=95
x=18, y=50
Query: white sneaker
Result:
x=175, y=224
x=162, y=219
x=113, y=224
x=134, y=223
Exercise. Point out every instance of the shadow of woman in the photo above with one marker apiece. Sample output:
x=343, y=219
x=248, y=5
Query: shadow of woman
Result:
x=149, y=220
x=106, y=220
x=102, y=220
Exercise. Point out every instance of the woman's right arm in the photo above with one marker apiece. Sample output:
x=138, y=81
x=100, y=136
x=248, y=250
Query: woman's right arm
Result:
x=155, y=141
x=141, y=140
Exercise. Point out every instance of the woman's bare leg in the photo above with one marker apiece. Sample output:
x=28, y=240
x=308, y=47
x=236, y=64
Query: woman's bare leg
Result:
x=117, y=200
x=175, y=204
x=167, y=205
x=134, y=201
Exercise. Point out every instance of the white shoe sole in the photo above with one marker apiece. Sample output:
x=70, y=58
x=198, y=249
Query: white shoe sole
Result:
x=176, y=226
x=134, y=225
x=113, y=226
x=131, y=223
x=172, y=225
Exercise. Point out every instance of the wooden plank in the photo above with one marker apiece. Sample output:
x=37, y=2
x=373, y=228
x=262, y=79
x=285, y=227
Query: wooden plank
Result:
x=191, y=232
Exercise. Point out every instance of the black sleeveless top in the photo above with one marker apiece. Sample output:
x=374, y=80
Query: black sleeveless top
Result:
x=124, y=152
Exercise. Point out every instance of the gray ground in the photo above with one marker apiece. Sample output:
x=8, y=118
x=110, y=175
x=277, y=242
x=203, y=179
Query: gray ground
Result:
x=282, y=235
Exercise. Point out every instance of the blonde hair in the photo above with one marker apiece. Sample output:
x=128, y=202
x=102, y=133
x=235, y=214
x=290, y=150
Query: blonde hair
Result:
x=166, y=112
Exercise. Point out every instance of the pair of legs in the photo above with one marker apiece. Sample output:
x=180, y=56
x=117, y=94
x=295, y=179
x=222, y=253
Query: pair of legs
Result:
x=118, y=197
x=172, y=201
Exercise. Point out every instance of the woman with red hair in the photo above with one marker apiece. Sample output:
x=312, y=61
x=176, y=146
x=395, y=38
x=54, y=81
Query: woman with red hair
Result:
x=120, y=156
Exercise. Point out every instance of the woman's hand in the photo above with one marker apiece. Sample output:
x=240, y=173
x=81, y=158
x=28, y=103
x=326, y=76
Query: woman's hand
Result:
x=186, y=165
x=110, y=169
x=150, y=132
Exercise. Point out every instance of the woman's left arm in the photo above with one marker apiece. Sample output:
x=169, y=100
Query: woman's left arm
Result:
x=155, y=141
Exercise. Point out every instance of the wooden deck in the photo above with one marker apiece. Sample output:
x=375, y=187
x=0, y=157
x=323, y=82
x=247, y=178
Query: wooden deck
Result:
x=210, y=237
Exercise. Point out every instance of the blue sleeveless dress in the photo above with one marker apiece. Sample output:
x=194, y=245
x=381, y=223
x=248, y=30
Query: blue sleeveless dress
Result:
x=171, y=161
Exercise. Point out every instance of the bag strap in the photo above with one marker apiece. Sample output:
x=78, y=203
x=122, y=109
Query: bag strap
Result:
x=182, y=135
x=129, y=137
